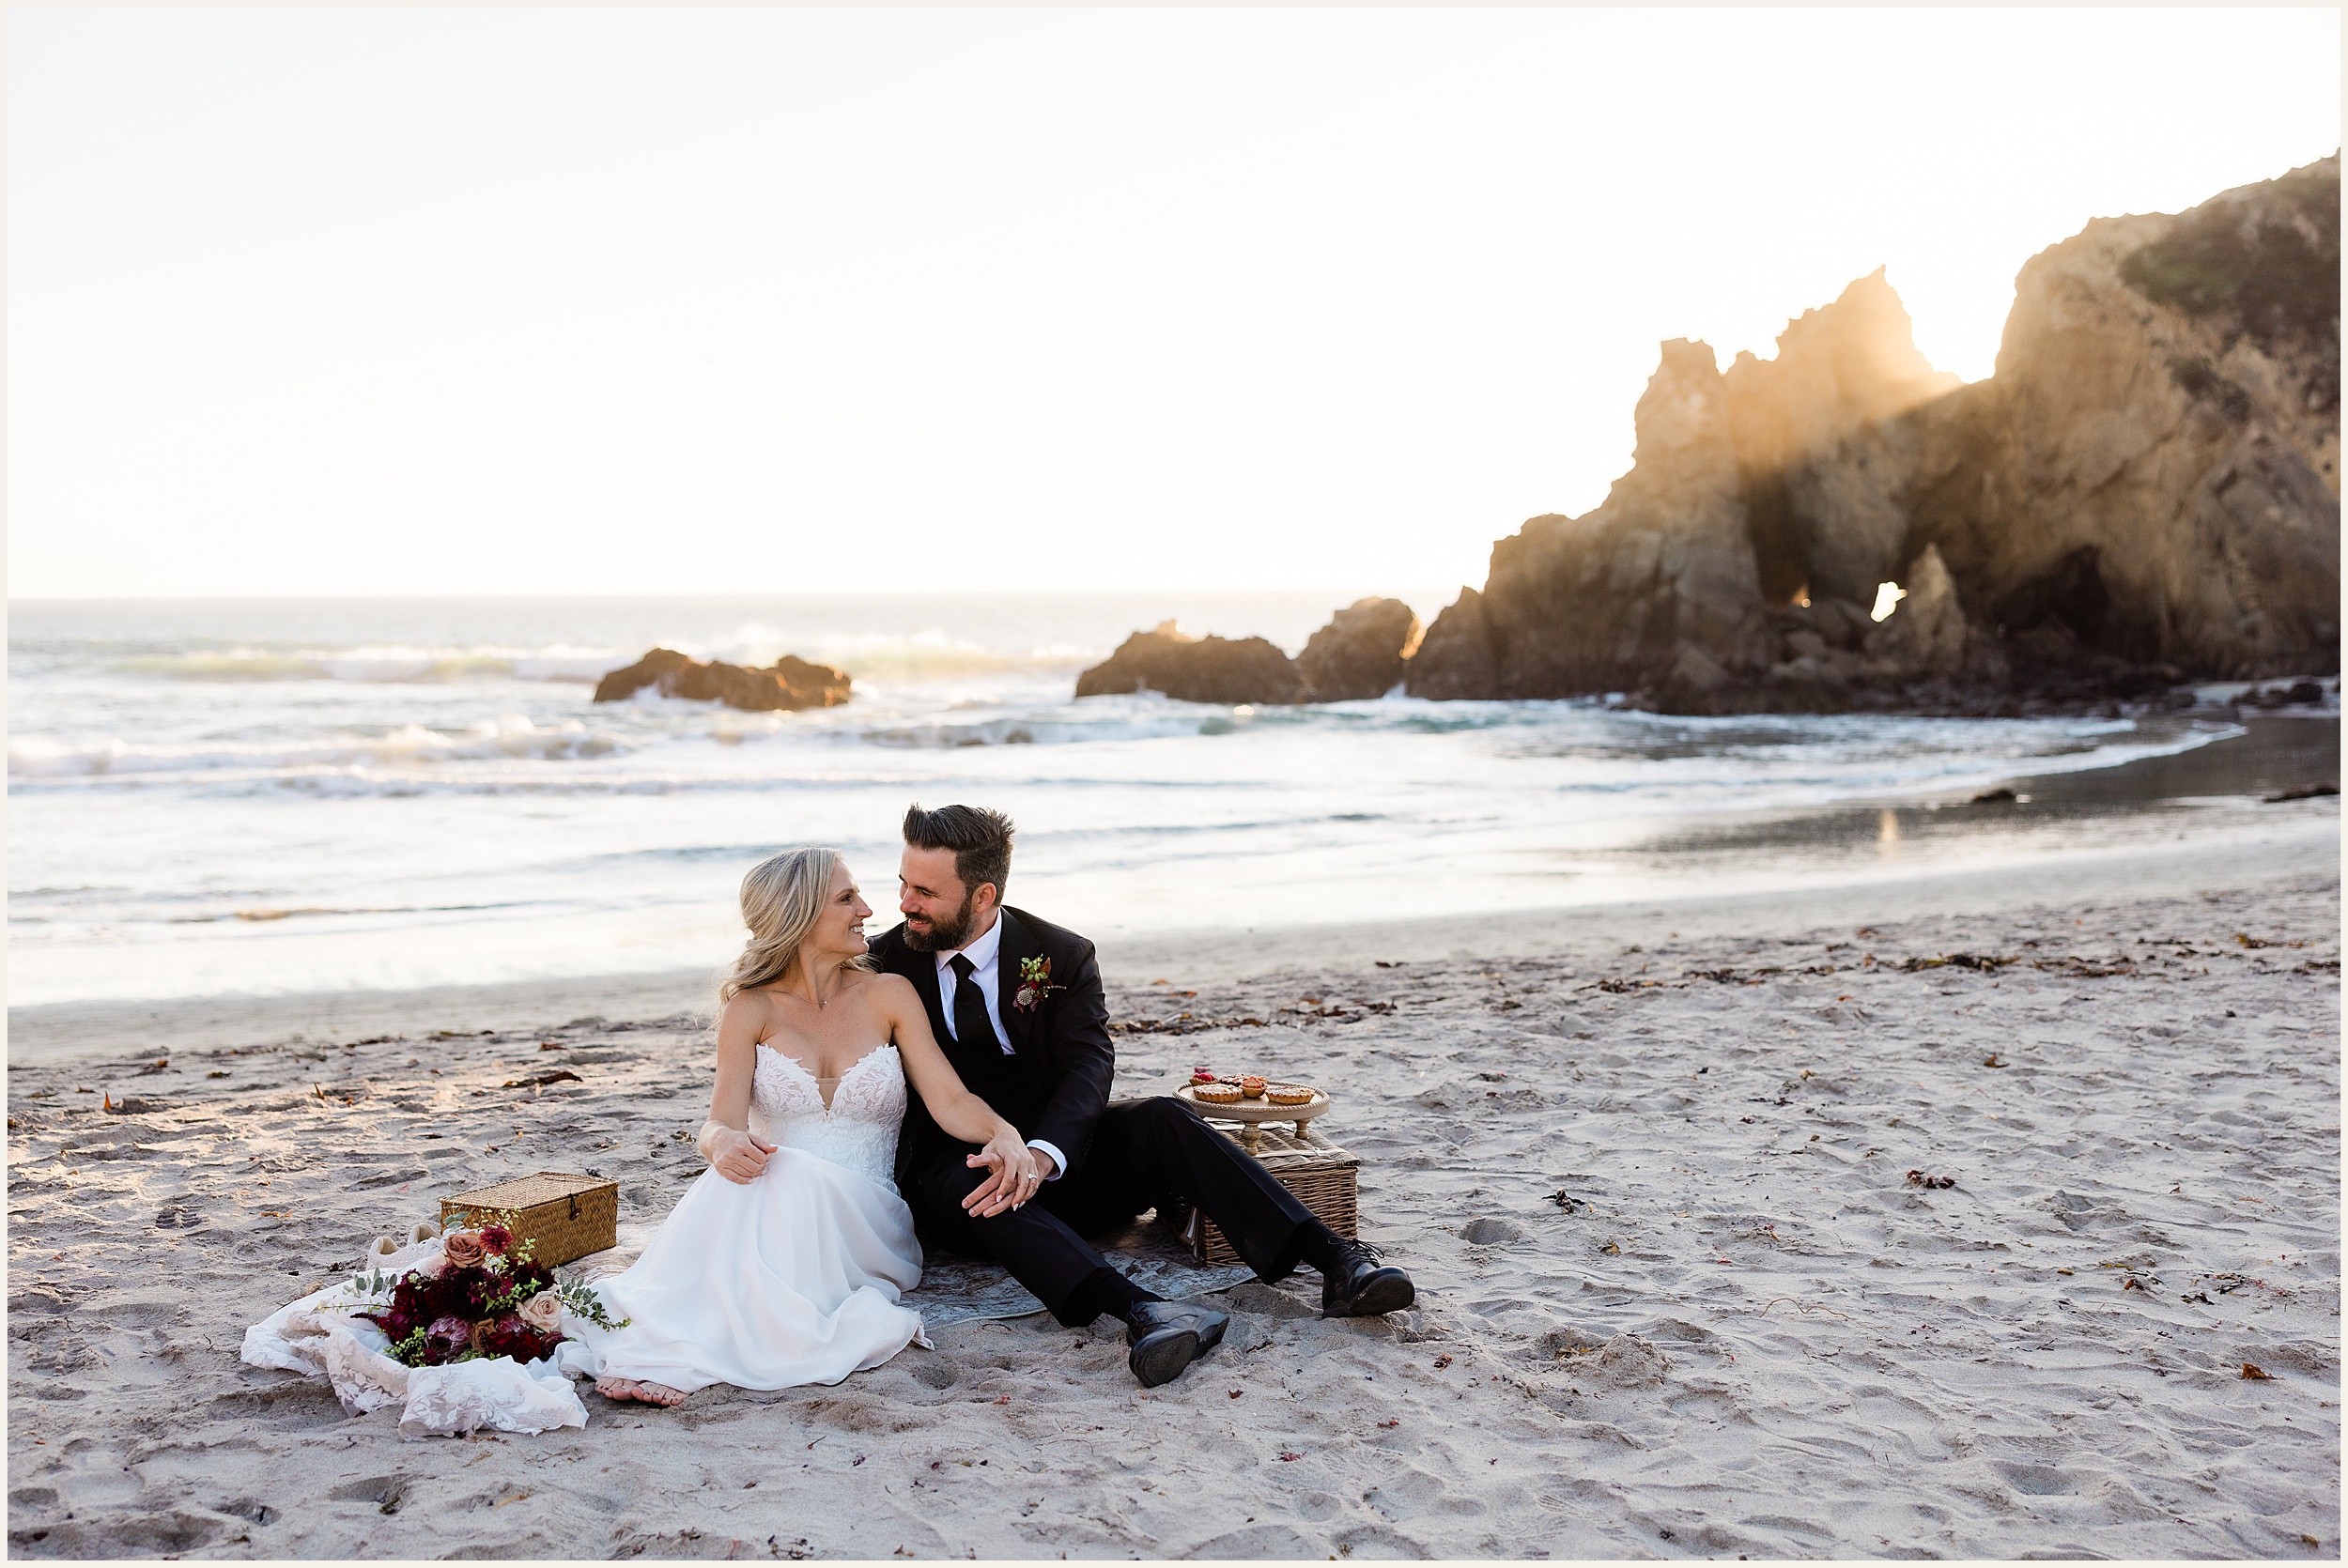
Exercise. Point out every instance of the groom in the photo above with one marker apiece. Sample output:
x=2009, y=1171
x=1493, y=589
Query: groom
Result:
x=1016, y=1004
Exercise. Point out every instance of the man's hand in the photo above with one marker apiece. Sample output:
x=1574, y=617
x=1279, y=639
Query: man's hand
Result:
x=1013, y=1175
x=738, y=1157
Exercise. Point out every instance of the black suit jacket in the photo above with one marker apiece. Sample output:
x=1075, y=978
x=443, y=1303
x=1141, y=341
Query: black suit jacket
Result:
x=1063, y=1058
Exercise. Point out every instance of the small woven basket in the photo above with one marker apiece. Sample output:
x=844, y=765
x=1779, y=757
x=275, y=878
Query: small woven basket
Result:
x=567, y=1216
x=1321, y=1175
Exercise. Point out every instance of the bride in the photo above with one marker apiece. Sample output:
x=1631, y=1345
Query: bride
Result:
x=785, y=1263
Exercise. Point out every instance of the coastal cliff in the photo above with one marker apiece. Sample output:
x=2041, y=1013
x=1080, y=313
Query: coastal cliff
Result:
x=2146, y=490
x=2152, y=474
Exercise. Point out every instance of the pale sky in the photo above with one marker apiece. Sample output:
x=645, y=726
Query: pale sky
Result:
x=565, y=301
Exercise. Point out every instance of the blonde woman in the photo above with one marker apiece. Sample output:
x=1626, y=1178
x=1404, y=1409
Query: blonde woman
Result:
x=785, y=1262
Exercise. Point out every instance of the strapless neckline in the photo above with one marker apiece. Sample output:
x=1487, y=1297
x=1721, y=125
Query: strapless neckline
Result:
x=800, y=1068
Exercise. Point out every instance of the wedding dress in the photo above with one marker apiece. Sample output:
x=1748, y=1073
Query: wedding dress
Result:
x=796, y=1277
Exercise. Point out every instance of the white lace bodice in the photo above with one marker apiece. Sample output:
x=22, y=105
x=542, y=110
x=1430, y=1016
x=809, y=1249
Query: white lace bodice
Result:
x=858, y=1133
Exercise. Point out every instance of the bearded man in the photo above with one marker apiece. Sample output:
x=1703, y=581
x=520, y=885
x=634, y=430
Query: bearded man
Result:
x=1016, y=1004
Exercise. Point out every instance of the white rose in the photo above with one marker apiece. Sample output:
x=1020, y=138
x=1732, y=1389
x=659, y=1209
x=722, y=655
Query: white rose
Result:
x=544, y=1312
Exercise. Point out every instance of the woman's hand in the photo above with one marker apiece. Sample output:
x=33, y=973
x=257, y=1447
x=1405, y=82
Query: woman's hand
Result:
x=738, y=1157
x=1016, y=1174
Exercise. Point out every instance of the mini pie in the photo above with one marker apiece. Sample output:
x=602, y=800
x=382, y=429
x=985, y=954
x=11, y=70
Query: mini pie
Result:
x=1252, y=1086
x=1288, y=1094
x=1216, y=1094
x=1203, y=1076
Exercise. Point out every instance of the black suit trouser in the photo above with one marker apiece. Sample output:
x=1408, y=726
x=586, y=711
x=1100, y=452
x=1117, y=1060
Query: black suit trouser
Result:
x=1148, y=1154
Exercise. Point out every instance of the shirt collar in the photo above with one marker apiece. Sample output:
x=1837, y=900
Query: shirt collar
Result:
x=981, y=951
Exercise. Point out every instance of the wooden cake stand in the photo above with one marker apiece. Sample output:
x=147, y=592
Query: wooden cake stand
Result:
x=1252, y=1114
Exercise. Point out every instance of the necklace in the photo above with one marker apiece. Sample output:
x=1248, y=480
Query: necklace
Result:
x=820, y=1002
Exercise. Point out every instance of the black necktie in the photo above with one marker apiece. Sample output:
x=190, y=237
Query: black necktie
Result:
x=973, y=1029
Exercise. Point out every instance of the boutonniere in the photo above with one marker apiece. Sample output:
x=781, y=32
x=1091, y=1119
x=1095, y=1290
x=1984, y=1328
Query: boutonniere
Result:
x=1035, y=984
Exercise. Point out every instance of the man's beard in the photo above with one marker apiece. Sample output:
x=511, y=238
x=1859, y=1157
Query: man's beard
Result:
x=944, y=936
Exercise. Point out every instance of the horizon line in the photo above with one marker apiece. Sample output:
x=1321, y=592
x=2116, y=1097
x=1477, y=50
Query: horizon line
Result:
x=15, y=599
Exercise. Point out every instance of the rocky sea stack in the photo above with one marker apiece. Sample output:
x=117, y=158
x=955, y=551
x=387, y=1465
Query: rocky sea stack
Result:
x=1195, y=669
x=787, y=686
x=2145, y=492
x=1363, y=651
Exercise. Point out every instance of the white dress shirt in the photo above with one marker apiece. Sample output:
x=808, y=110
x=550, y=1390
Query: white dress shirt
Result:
x=984, y=951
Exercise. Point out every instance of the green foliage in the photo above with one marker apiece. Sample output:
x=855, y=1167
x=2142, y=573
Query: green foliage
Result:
x=2200, y=381
x=2270, y=268
x=581, y=1300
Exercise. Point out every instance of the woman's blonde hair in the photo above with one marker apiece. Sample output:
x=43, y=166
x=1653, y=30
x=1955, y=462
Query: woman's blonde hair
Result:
x=782, y=897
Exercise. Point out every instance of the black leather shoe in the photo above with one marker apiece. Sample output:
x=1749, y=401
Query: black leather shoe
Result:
x=1364, y=1284
x=1168, y=1336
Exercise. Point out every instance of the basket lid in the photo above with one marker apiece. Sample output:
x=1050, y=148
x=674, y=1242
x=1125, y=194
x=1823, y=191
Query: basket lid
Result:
x=529, y=1190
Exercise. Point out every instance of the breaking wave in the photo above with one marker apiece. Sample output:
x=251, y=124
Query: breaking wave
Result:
x=925, y=657
x=401, y=666
x=511, y=737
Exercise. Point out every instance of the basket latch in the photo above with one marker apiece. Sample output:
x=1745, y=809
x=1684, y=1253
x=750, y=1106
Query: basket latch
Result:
x=574, y=1205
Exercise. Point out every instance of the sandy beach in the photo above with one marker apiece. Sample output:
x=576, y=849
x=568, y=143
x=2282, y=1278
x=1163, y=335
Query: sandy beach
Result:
x=1751, y=709
x=1651, y=1167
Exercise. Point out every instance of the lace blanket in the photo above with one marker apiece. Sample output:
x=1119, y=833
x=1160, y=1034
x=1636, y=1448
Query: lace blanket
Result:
x=958, y=1289
x=318, y=1336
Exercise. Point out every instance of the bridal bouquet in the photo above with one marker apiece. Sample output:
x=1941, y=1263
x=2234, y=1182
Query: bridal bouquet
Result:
x=484, y=1297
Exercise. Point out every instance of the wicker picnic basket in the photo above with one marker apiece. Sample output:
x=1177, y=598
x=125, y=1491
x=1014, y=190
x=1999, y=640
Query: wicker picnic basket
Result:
x=567, y=1215
x=1317, y=1172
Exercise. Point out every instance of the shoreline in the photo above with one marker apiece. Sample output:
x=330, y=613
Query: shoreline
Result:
x=134, y=1032
x=1855, y=863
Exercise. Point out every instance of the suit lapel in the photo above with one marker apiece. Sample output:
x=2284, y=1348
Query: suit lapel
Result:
x=1019, y=945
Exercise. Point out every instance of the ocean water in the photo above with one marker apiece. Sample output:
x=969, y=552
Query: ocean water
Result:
x=270, y=796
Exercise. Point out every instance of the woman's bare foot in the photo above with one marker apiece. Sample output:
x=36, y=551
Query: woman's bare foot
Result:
x=628, y=1388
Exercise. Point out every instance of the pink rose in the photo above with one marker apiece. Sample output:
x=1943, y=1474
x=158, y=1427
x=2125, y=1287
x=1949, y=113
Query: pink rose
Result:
x=462, y=1248
x=544, y=1312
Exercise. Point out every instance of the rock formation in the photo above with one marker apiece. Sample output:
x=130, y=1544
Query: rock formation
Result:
x=1195, y=669
x=2147, y=487
x=1455, y=659
x=2152, y=475
x=1800, y=420
x=1361, y=652
x=791, y=684
x=1666, y=588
